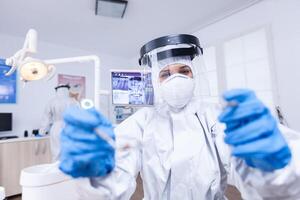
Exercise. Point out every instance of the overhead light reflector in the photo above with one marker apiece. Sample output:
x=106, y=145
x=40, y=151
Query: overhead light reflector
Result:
x=32, y=70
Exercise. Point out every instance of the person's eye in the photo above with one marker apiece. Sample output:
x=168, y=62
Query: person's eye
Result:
x=164, y=75
x=185, y=71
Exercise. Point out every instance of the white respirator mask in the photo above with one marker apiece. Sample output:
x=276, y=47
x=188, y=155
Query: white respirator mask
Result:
x=177, y=90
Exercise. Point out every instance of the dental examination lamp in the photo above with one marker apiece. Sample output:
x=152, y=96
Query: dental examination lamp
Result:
x=32, y=69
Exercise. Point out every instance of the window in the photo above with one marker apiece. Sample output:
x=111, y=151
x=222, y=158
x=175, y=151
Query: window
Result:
x=209, y=73
x=247, y=65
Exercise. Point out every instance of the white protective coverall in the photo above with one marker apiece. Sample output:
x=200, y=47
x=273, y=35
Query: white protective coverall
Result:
x=52, y=118
x=184, y=157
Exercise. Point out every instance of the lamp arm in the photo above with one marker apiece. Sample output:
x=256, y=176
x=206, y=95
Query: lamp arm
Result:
x=14, y=61
x=29, y=47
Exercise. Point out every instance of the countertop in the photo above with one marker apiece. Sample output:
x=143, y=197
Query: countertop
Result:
x=24, y=139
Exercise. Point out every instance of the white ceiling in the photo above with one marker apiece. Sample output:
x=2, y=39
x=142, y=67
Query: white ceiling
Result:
x=73, y=23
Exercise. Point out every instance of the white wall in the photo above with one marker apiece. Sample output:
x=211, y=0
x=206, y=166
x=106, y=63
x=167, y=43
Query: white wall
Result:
x=282, y=16
x=32, y=98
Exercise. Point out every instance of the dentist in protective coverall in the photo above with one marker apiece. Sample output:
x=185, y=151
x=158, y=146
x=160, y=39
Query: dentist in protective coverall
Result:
x=53, y=117
x=185, y=153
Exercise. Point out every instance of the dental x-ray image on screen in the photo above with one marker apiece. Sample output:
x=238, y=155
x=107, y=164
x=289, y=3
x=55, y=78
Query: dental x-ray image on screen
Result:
x=132, y=88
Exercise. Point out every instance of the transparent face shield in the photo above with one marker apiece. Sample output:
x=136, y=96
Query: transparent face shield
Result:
x=183, y=59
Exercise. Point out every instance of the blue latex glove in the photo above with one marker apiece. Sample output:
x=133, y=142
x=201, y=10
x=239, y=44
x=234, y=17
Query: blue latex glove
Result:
x=83, y=152
x=253, y=132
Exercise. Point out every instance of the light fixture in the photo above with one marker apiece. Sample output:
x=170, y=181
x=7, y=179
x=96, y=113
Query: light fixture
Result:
x=111, y=8
x=33, y=69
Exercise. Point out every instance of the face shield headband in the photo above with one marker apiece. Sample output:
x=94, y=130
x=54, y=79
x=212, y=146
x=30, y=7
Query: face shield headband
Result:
x=62, y=86
x=192, y=51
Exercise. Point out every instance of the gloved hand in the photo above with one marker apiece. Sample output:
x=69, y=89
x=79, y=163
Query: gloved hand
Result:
x=253, y=132
x=83, y=152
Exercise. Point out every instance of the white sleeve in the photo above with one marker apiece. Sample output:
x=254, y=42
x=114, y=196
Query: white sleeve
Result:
x=280, y=184
x=121, y=183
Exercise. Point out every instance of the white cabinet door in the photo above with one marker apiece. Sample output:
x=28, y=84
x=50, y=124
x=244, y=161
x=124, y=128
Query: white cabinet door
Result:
x=10, y=163
x=15, y=156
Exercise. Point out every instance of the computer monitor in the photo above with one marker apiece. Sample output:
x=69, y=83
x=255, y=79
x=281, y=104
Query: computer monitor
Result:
x=5, y=121
x=132, y=87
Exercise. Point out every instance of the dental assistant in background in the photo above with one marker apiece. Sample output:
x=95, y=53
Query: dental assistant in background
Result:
x=52, y=120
